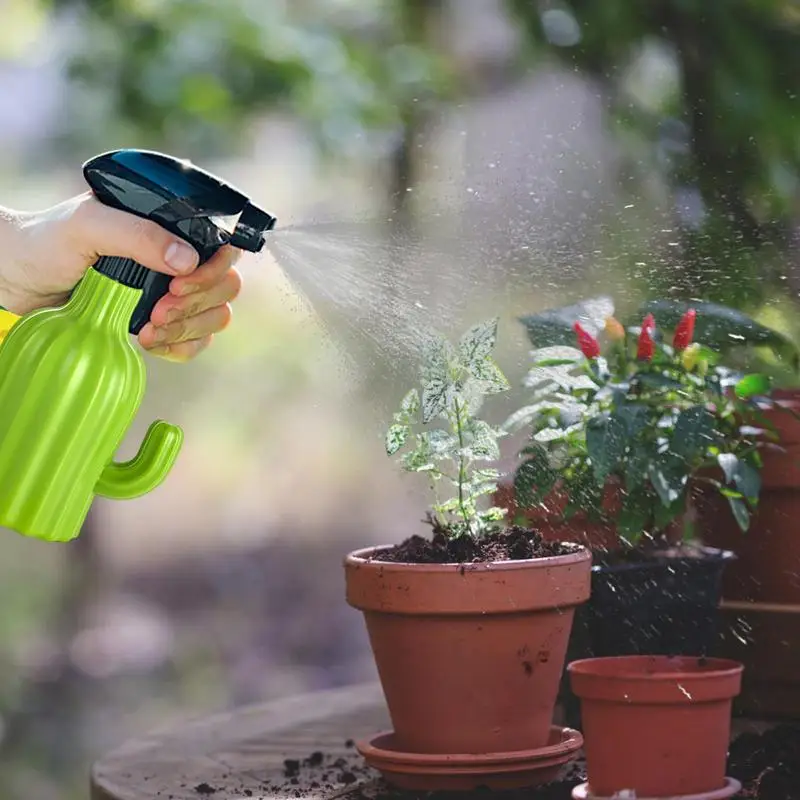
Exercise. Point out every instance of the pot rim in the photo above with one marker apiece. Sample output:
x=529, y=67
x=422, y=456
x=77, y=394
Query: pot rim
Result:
x=725, y=667
x=710, y=555
x=357, y=558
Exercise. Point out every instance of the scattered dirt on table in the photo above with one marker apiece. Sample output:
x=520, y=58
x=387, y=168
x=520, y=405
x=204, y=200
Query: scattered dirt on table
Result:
x=510, y=544
x=767, y=764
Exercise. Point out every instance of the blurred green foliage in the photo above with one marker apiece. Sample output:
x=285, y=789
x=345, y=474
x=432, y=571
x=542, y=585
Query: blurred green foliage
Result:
x=199, y=71
x=712, y=89
x=703, y=95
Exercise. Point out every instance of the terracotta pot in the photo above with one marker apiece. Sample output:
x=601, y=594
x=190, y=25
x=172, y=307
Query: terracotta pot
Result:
x=469, y=656
x=548, y=518
x=656, y=725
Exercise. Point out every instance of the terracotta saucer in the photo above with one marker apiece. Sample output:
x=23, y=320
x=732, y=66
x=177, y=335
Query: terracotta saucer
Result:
x=434, y=772
x=731, y=787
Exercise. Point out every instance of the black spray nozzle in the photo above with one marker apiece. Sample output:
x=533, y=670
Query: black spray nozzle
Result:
x=188, y=201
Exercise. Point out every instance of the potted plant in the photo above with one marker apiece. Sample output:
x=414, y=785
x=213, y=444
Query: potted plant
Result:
x=761, y=589
x=469, y=626
x=656, y=726
x=625, y=436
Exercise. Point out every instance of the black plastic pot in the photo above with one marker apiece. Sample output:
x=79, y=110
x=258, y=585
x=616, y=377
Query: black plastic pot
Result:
x=662, y=606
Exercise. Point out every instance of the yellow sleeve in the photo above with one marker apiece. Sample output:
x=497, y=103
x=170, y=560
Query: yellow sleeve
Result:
x=7, y=319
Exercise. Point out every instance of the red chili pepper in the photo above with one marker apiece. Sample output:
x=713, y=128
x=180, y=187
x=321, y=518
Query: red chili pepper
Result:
x=588, y=345
x=684, y=330
x=647, y=346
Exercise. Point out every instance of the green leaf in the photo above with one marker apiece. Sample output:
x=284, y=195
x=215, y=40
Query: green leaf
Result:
x=493, y=514
x=477, y=343
x=524, y=416
x=396, y=437
x=605, y=444
x=435, y=394
x=637, y=466
x=657, y=380
x=753, y=385
x=740, y=513
x=634, y=516
x=742, y=475
x=720, y=327
x=420, y=458
x=693, y=433
x=534, y=478
x=441, y=444
x=664, y=515
x=554, y=326
x=490, y=376
x=634, y=417
x=482, y=440
x=409, y=405
x=438, y=358
x=669, y=480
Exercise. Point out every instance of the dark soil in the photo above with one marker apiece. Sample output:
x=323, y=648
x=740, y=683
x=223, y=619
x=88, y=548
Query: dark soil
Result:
x=767, y=764
x=510, y=544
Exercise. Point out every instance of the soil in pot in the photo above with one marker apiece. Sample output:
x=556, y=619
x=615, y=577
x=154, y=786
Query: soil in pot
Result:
x=657, y=725
x=511, y=544
x=470, y=638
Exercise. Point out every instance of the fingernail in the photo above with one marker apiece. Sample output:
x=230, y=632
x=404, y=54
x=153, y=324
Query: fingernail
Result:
x=181, y=257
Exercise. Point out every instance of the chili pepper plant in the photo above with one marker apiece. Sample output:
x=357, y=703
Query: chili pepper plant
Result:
x=647, y=410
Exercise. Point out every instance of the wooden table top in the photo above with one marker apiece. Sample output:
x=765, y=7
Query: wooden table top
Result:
x=300, y=747
x=243, y=753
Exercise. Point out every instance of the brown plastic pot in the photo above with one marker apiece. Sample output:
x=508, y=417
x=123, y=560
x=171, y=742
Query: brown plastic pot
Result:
x=656, y=725
x=469, y=656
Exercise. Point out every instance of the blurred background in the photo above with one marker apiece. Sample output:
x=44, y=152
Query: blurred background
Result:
x=493, y=156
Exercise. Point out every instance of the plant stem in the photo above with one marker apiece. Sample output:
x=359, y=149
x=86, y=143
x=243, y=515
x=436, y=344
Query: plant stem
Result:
x=462, y=465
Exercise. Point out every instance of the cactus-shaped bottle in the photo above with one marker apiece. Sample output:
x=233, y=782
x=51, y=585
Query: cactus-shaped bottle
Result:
x=71, y=379
x=72, y=382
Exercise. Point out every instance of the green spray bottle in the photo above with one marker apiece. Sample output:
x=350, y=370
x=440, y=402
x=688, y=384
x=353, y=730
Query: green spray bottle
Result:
x=72, y=379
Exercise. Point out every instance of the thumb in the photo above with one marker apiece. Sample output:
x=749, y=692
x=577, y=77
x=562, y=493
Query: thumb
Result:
x=100, y=230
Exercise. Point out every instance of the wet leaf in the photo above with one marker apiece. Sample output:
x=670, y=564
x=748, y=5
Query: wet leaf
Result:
x=740, y=513
x=434, y=398
x=490, y=376
x=753, y=385
x=554, y=327
x=396, y=437
x=721, y=327
x=693, y=433
x=605, y=444
x=477, y=343
x=534, y=478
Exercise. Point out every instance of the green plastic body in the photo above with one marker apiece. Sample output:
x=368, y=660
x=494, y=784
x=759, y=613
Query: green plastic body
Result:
x=71, y=382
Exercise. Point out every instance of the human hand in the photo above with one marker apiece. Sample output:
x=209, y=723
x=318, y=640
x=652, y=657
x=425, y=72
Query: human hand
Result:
x=44, y=254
